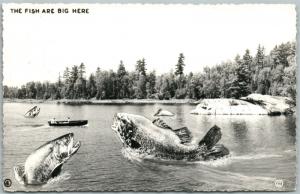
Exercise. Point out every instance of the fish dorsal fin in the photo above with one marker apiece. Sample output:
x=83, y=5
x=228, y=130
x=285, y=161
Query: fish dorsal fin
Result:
x=160, y=123
x=157, y=112
x=211, y=138
x=184, y=134
x=20, y=174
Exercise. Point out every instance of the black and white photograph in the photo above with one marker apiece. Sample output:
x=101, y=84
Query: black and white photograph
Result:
x=149, y=97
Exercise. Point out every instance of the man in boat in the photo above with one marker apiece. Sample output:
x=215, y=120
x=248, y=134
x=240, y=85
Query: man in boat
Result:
x=68, y=119
x=53, y=121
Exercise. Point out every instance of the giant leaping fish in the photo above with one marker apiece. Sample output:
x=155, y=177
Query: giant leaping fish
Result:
x=46, y=161
x=159, y=139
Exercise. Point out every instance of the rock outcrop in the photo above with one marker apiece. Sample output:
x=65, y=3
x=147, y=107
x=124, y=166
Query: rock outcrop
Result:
x=253, y=104
x=275, y=105
x=227, y=107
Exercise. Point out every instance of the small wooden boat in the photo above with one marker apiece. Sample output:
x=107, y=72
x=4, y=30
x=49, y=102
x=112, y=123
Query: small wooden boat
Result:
x=68, y=123
x=33, y=112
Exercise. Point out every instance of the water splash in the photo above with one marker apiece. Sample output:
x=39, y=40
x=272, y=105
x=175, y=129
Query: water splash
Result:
x=138, y=156
x=224, y=161
x=257, y=156
x=231, y=158
x=62, y=177
x=135, y=155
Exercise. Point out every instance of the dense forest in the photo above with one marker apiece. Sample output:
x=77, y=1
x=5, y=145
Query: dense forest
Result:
x=273, y=74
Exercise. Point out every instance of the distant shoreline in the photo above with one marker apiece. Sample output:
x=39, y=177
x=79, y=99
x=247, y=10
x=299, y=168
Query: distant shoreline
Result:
x=250, y=105
x=107, y=101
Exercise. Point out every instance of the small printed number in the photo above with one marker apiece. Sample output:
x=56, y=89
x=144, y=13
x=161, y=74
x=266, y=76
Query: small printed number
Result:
x=7, y=182
x=278, y=183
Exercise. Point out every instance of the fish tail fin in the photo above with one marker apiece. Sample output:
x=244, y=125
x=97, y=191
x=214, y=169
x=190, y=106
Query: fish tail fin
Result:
x=219, y=150
x=211, y=138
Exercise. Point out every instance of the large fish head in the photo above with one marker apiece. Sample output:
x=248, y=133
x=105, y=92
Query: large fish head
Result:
x=126, y=130
x=64, y=147
x=46, y=161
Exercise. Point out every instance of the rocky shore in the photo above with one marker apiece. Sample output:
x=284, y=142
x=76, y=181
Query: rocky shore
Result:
x=94, y=101
x=275, y=105
x=254, y=104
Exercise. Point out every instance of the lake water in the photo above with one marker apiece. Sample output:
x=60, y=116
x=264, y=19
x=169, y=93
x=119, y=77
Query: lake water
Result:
x=262, y=151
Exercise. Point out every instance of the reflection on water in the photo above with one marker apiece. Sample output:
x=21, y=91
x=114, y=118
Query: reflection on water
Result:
x=262, y=150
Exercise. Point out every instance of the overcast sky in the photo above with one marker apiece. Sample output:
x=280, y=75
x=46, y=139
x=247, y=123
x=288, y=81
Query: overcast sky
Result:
x=39, y=46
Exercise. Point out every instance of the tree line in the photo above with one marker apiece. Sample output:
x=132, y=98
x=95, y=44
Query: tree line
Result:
x=273, y=74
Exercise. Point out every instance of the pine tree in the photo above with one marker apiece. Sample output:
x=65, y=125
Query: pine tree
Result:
x=191, y=87
x=74, y=74
x=59, y=82
x=91, y=87
x=73, y=78
x=240, y=86
x=121, y=70
x=40, y=91
x=81, y=70
x=121, y=83
x=284, y=50
x=141, y=87
x=150, y=86
x=247, y=59
x=165, y=89
x=66, y=75
x=263, y=81
x=98, y=72
x=141, y=67
x=141, y=79
x=259, y=58
x=180, y=65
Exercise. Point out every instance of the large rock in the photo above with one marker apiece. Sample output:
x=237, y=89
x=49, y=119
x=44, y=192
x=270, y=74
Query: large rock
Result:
x=275, y=105
x=253, y=104
x=228, y=107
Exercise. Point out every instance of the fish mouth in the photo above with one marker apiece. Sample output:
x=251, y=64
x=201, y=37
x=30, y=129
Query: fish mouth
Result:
x=66, y=147
x=119, y=126
x=73, y=147
x=65, y=156
x=125, y=130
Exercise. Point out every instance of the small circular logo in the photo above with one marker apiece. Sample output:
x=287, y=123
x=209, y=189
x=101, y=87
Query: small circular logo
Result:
x=7, y=182
x=278, y=183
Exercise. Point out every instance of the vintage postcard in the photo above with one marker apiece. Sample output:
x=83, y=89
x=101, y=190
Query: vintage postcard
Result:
x=149, y=97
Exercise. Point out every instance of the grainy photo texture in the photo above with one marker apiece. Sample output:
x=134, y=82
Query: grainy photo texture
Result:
x=149, y=97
